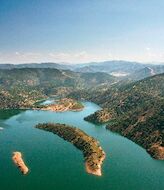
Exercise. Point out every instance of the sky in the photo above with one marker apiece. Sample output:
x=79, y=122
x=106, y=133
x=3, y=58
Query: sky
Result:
x=79, y=31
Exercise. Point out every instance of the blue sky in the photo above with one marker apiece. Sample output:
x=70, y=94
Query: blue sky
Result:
x=81, y=31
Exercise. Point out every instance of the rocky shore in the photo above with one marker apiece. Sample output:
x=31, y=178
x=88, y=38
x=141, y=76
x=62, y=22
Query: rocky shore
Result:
x=17, y=159
x=156, y=151
x=65, y=104
x=93, y=153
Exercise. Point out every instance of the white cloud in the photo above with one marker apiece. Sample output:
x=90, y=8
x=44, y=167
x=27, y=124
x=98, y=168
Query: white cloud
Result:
x=17, y=53
x=77, y=57
x=148, y=55
x=148, y=48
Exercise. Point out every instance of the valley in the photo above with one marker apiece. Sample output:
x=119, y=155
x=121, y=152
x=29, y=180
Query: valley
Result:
x=123, y=102
x=129, y=106
x=81, y=95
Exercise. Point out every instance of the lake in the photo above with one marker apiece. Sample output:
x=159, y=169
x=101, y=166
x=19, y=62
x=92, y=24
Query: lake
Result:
x=57, y=164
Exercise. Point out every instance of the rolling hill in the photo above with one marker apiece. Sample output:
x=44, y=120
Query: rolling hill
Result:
x=21, y=87
x=136, y=111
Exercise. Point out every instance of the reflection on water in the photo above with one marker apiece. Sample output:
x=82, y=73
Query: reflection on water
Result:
x=6, y=114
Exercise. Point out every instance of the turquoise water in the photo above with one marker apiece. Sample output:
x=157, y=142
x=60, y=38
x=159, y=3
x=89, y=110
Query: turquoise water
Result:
x=57, y=165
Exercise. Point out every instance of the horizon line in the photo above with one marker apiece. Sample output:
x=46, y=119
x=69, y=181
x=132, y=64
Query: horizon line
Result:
x=69, y=63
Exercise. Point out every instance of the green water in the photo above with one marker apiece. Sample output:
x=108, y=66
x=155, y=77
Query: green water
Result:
x=57, y=165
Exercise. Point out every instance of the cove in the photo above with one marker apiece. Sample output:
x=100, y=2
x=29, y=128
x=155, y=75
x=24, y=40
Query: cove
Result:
x=55, y=164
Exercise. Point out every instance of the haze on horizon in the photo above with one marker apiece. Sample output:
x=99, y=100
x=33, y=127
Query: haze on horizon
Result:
x=81, y=31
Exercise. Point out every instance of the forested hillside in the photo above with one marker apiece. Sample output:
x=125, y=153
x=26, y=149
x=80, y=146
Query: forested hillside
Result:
x=22, y=87
x=137, y=110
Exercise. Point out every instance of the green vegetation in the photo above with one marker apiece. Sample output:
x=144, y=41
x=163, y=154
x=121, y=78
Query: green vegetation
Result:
x=100, y=117
x=77, y=105
x=90, y=147
x=137, y=109
x=21, y=88
x=64, y=104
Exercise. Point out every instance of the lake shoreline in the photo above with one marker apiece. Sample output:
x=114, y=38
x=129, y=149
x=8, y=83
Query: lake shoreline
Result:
x=92, y=151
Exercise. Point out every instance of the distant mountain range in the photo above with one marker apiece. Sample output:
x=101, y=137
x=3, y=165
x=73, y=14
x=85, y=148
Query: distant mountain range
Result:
x=121, y=69
x=35, y=65
x=111, y=66
x=124, y=67
x=146, y=72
